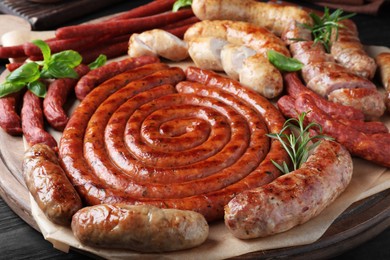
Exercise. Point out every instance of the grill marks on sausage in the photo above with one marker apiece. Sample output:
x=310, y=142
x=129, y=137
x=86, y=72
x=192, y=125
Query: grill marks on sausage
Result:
x=189, y=147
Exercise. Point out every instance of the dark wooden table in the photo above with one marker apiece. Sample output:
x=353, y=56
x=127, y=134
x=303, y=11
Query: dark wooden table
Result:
x=20, y=241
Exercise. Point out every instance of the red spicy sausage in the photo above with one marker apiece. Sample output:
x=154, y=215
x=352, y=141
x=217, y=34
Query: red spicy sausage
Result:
x=56, y=97
x=118, y=27
x=79, y=166
x=9, y=119
x=372, y=147
x=97, y=76
x=32, y=122
x=48, y=184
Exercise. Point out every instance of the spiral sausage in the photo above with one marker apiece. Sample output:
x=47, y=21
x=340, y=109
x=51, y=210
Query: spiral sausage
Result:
x=188, y=147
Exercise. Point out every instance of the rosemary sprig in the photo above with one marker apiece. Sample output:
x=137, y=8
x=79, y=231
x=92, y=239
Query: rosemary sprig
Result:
x=322, y=28
x=298, y=142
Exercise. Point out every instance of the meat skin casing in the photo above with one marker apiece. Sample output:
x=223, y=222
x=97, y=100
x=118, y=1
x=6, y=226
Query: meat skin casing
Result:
x=293, y=198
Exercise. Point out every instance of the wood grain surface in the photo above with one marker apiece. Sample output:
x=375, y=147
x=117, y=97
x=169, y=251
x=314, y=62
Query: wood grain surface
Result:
x=360, y=223
x=50, y=15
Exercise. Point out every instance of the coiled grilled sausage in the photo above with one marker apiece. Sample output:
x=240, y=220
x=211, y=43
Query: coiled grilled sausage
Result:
x=108, y=173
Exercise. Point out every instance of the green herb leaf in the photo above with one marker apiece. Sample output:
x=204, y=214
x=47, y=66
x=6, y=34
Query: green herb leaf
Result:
x=61, y=70
x=38, y=88
x=7, y=88
x=69, y=58
x=45, y=49
x=181, y=3
x=26, y=73
x=297, y=141
x=282, y=62
x=100, y=61
x=326, y=26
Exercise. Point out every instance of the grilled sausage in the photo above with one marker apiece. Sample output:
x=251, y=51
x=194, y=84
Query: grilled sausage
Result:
x=293, y=198
x=368, y=100
x=97, y=76
x=105, y=172
x=157, y=42
x=256, y=71
x=349, y=52
x=49, y=186
x=32, y=122
x=275, y=18
x=141, y=228
x=9, y=118
x=383, y=61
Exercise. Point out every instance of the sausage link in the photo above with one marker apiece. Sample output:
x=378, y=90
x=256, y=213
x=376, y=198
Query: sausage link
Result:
x=349, y=52
x=32, y=122
x=9, y=118
x=56, y=97
x=293, y=198
x=97, y=76
x=256, y=72
x=142, y=228
x=383, y=62
x=49, y=186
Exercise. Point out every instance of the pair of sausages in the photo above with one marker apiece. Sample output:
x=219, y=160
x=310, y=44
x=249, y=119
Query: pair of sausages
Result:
x=368, y=140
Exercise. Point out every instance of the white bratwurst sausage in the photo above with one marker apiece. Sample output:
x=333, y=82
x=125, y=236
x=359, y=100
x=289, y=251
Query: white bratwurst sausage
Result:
x=293, y=198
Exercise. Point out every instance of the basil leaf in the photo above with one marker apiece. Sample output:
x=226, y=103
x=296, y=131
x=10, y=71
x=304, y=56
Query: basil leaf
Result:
x=181, y=3
x=38, y=88
x=45, y=49
x=100, y=61
x=282, y=62
x=61, y=70
x=26, y=73
x=7, y=88
x=69, y=57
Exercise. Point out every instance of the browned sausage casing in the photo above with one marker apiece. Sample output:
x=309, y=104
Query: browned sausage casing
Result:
x=32, y=122
x=293, y=198
x=141, y=228
x=190, y=147
x=48, y=184
x=99, y=75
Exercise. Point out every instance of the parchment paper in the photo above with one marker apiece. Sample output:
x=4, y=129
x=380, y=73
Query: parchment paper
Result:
x=367, y=179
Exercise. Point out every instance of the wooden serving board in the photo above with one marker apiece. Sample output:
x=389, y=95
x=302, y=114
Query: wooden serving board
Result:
x=49, y=16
